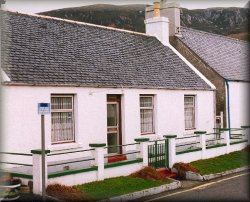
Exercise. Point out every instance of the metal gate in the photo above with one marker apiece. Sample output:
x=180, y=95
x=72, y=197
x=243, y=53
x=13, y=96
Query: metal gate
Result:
x=158, y=154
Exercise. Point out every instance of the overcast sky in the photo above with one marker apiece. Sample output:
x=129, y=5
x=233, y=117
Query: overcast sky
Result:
x=36, y=6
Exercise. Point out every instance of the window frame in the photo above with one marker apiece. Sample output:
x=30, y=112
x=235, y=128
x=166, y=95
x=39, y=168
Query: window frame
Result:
x=153, y=114
x=193, y=112
x=62, y=111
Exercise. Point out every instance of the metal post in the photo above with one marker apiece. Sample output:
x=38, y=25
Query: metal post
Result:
x=156, y=154
x=166, y=153
x=43, y=155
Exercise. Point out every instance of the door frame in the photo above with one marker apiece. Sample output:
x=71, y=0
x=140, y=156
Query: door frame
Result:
x=116, y=98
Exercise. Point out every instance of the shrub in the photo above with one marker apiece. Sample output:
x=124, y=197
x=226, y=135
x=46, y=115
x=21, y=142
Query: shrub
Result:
x=149, y=173
x=66, y=193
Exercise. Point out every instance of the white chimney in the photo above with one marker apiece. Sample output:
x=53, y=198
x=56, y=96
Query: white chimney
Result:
x=156, y=25
x=2, y=4
x=172, y=12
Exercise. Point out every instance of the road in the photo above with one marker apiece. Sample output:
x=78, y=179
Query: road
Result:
x=229, y=188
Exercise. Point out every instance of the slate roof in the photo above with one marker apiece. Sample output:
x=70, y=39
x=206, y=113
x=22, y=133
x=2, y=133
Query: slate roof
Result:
x=45, y=51
x=227, y=56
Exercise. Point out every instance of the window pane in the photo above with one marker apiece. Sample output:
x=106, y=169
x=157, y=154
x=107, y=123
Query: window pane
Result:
x=146, y=120
x=112, y=140
x=62, y=126
x=62, y=120
x=146, y=102
x=61, y=103
x=146, y=113
x=189, y=101
x=189, y=112
x=112, y=115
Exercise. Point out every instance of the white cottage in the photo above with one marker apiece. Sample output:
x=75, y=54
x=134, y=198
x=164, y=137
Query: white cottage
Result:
x=105, y=85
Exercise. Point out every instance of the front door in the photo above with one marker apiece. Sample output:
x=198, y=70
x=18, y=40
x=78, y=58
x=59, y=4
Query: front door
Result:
x=113, y=124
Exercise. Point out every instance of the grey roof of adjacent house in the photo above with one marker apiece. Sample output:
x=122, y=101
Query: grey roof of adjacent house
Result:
x=46, y=51
x=227, y=56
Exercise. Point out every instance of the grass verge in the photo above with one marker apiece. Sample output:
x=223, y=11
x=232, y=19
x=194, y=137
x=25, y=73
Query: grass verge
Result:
x=117, y=186
x=222, y=163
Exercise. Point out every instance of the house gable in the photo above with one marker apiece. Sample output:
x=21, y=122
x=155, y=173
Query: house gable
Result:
x=206, y=70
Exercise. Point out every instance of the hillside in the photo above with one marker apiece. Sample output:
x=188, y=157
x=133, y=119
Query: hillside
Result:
x=224, y=21
x=128, y=17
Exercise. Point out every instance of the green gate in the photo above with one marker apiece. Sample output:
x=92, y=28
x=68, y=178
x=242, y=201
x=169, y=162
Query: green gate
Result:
x=158, y=154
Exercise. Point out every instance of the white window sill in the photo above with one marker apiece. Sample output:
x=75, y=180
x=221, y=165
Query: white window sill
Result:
x=65, y=146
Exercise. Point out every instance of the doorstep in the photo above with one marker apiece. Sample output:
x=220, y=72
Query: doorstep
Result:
x=196, y=176
x=146, y=192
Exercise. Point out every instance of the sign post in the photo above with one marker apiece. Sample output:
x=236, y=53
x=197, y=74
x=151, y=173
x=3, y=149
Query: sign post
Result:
x=43, y=108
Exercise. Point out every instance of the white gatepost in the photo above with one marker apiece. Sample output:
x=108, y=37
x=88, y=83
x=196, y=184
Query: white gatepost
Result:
x=247, y=133
x=171, y=149
x=225, y=133
x=142, y=147
x=202, y=138
x=98, y=155
x=37, y=170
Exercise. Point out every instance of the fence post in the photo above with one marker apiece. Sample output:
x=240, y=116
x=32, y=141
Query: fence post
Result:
x=202, y=142
x=37, y=170
x=143, y=148
x=247, y=132
x=171, y=149
x=225, y=133
x=98, y=155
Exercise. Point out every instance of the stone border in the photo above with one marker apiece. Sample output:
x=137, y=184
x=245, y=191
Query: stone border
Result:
x=146, y=192
x=196, y=176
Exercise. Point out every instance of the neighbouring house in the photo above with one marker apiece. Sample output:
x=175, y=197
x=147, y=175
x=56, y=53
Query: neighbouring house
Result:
x=105, y=85
x=222, y=60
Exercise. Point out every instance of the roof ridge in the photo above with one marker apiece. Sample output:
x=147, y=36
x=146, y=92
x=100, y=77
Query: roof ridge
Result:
x=81, y=23
x=218, y=35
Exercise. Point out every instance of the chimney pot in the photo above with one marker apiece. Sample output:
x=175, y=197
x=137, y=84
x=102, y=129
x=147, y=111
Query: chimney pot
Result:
x=156, y=9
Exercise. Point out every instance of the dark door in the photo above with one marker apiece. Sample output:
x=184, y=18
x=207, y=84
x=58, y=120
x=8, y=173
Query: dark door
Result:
x=114, y=123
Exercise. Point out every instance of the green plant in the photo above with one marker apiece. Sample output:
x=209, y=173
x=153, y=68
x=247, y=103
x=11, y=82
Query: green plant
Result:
x=66, y=193
x=117, y=186
x=222, y=163
x=149, y=173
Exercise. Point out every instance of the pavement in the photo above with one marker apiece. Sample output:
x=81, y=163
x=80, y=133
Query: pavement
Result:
x=233, y=187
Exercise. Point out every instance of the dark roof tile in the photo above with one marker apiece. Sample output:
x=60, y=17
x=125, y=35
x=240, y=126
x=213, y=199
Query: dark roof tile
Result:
x=227, y=56
x=39, y=50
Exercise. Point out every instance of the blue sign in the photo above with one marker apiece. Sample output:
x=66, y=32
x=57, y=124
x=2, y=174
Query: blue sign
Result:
x=43, y=108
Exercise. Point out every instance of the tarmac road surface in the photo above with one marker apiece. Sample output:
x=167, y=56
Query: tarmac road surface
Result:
x=229, y=188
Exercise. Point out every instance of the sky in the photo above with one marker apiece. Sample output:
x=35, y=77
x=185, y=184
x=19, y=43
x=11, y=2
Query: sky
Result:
x=36, y=6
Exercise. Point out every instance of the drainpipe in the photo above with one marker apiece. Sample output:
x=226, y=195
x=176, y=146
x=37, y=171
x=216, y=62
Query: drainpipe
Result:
x=228, y=107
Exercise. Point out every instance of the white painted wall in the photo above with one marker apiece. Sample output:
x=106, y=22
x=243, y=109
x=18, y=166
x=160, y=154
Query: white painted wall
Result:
x=188, y=157
x=239, y=103
x=74, y=179
x=21, y=122
x=237, y=147
x=124, y=170
x=213, y=152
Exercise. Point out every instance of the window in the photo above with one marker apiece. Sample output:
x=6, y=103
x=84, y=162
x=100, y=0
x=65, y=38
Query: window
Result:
x=189, y=103
x=62, y=119
x=147, y=114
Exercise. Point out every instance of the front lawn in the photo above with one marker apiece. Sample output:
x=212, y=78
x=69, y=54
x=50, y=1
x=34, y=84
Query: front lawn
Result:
x=117, y=186
x=222, y=163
